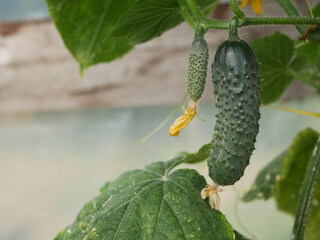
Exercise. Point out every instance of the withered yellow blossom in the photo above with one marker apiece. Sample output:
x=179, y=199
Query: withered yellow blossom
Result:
x=183, y=121
x=211, y=192
x=256, y=5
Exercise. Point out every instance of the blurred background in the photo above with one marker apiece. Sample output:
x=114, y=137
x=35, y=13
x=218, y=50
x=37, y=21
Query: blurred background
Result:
x=62, y=136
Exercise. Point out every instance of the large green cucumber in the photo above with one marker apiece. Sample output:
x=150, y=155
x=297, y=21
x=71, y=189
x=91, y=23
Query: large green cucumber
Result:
x=197, y=68
x=236, y=79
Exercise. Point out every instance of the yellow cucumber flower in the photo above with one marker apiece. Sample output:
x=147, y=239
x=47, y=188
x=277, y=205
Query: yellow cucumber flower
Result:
x=255, y=5
x=183, y=121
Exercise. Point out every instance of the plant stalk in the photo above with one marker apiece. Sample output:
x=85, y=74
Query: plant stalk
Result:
x=306, y=194
x=195, y=10
x=236, y=10
x=185, y=14
x=233, y=28
x=281, y=21
x=293, y=19
x=292, y=11
x=303, y=78
x=203, y=20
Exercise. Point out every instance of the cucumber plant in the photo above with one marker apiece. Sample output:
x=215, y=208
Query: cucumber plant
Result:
x=158, y=202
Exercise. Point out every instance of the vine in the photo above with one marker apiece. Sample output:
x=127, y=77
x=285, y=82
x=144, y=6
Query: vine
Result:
x=248, y=21
x=234, y=7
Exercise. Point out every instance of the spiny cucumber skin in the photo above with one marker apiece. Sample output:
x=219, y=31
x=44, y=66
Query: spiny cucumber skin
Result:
x=197, y=68
x=236, y=80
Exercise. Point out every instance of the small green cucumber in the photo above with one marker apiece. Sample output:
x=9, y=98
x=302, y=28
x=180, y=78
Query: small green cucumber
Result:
x=197, y=68
x=236, y=80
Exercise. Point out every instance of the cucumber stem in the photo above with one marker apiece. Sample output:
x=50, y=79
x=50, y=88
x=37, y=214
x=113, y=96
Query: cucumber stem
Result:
x=306, y=194
x=303, y=78
x=185, y=14
x=208, y=23
x=281, y=21
x=200, y=31
x=195, y=10
x=292, y=11
x=233, y=28
x=236, y=10
x=293, y=19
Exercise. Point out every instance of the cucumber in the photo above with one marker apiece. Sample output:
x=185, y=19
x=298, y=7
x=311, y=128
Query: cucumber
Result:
x=236, y=80
x=197, y=68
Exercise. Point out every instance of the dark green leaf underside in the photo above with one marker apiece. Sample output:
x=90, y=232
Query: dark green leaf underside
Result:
x=83, y=26
x=148, y=19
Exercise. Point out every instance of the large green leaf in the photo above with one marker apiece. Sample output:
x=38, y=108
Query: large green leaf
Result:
x=265, y=184
x=293, y=172
x=150, y=18
x=310, y=49
x=151, y=203
x=316, y=10
x=83, y=25
x=147, y=19
x=299, y=62
x=274, y=53
x=286, y=176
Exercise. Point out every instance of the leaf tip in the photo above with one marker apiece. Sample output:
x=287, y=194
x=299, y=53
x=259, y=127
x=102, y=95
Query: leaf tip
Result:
x=82, y=70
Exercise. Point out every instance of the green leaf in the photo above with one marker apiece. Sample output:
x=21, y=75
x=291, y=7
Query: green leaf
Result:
x=150, y=203
x=208, y=6
x=294, y=168
x=316, y=10
x=239, y=236
x=274, y=53
x=306, y=193
x=318, y=62
x=299, y=62
x=148, y=19
x=310, y=49
x=83, y=26
x=292, y=176
x=265, y=183
x=289, y=169
x=200, y=156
